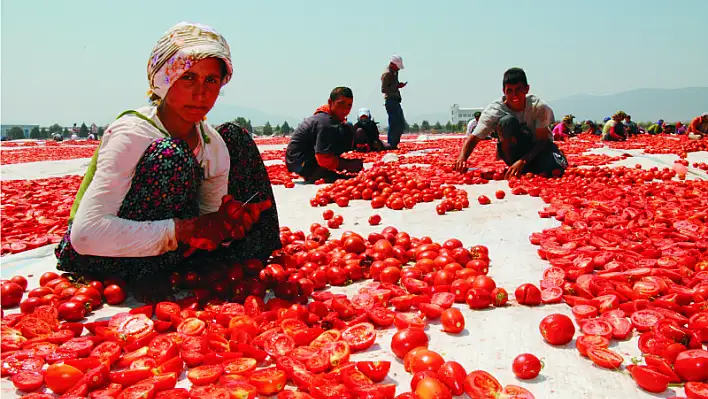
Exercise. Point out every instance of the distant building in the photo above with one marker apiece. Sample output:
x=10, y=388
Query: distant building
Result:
x=5, y=129
x=458, y=114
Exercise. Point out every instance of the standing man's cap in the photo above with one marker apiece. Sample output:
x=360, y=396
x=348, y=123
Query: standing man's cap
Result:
x=397, y=61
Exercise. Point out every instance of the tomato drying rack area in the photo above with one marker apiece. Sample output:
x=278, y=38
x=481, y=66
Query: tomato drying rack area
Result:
x=492, y=338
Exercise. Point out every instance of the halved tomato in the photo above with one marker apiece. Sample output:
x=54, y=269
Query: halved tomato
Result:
x=552, y=295
x=359, y=336
x=375, y=370
x=645, y=319
x=516, y=392
x=269, y=381
x=355, y=378
x=241, y=366
x=279, y=345
x=604, y=357
x=338, y=352
x=327, y=336
x=597, y=327
x=583, y=342
x=294, y=395
x=408, y=320
x=382, y=317
x=480, y=384
x=191, y=326
x=204, y=375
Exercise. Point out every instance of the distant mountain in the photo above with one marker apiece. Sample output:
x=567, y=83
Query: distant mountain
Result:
x=643, y=104
x=225, y=112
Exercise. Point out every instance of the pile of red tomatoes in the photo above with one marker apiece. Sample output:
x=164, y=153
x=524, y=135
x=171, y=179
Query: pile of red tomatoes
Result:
x=248, y=346
x=35, y=212
x=47, y=153
x=630, y=256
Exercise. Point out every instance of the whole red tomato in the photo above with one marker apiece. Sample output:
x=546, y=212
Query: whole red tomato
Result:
x=71, y=311
x=452, y=321
x=528, y=294
x=426, y=360
x=47, y=277
x=405, y=340
x=452, y=374
x=374, y=220
x=499, y=297
x=432, y=388
x=10, y=294
x=328, y=214
x=557, y=329
x=114, y=294
x=500, y=194
x=484, y=282
x=692, y=365
x=484, y=200
x=19, y=280
x=478, y=298
x=526, y=366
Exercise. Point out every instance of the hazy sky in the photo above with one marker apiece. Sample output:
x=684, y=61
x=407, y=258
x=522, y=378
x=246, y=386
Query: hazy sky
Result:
x=84, y=60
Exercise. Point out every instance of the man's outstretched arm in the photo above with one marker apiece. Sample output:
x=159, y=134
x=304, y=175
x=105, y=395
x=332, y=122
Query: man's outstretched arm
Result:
x=467, y=148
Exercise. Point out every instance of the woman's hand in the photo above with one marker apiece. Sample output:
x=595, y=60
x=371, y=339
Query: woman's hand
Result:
x=240, y=217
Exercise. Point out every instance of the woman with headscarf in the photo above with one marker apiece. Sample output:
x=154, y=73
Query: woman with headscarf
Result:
x=165, y=190
x=615, y=131
x=366, y=136
x=563, y=130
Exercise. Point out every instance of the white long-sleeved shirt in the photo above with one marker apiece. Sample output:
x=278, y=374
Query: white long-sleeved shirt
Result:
x=97, y=230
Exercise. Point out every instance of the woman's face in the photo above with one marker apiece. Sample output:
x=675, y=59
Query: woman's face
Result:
x=194, y=93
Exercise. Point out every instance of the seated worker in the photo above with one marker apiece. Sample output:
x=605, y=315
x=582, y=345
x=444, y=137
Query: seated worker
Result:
x=681, y=128
x=615, y=128
x=699, y=125
x=162, y=190
x=317, y=143
x=562, y=131
x=592, y=128
x=366, y=133
x=656, y=128
x=522, y=120
x=472, y=124
x=630, y=127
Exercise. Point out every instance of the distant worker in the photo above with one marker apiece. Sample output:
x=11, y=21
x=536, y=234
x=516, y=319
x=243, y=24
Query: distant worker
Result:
x=615, y=131
x=523, y=121
x=592, y=128
x=630, y=127
x=606, y=125
x=562, y=131
x=317, y=143
x=91, y=136
x=681, y=128
x=656, y=128
x=391, y=88
x=472, y=124
x=366, y=133
x=699, y=125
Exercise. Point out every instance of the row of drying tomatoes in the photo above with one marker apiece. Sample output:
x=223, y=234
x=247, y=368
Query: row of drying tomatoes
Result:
x=35, y=212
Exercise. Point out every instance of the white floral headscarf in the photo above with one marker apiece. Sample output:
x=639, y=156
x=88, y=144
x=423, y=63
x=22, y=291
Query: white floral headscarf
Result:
x=179, y=49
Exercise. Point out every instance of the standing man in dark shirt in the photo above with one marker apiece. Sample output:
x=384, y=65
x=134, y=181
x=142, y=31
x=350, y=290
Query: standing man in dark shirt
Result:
x=391, y=88
x=317, y=143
